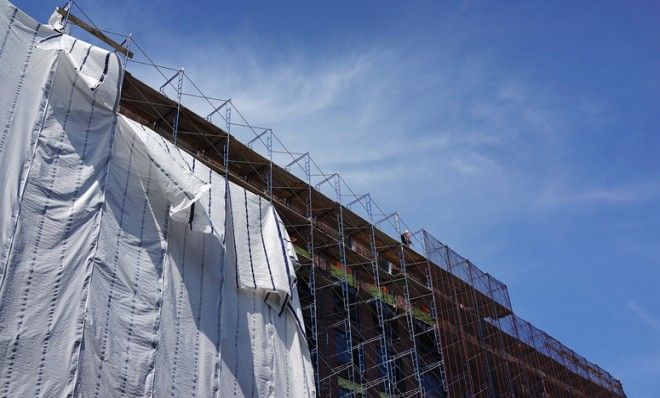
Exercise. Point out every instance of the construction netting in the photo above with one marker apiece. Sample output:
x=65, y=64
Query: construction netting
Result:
x=509, y=323
x=128, y=267
x=446, y=258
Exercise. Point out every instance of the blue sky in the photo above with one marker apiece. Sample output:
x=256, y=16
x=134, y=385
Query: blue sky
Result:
x=523, y=134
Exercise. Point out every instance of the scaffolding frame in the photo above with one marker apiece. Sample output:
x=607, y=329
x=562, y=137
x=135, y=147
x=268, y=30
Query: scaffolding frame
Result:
x=346, y=242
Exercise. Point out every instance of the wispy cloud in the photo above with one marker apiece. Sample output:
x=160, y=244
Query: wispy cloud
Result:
x=386, y=115
x=558, y=194
x=650, y=320
x=392, y=120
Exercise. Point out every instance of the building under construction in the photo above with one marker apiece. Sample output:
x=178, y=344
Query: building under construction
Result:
x=387, y=312
x=383, y=318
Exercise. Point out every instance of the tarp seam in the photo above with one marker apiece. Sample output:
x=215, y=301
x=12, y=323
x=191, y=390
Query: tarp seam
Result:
x=93, y=257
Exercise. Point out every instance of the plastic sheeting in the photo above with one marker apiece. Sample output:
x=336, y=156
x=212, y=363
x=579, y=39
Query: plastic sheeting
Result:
x=128, y=268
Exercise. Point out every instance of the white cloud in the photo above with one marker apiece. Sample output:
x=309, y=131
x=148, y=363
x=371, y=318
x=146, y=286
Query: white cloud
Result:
x=379, y=119
x=650, y=320
x=401, y=122
x=557, y=194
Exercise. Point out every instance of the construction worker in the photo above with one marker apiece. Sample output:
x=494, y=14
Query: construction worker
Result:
x=406, y=238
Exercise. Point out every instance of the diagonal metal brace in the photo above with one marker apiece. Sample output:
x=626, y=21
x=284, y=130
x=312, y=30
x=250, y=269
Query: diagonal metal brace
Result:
x=216, y=110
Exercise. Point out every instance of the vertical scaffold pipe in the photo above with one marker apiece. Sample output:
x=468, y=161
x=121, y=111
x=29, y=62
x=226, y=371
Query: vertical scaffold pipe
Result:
x=384, y=353
x=492, y=390
x=434, y=312
x=312, y=273
x=228, y=127
x=311, y=282
x=469, y=391
x=179, y=91
x=269, y=147
x=344, y=285
x=127, y=45
x=409, y=310
x=509, y=377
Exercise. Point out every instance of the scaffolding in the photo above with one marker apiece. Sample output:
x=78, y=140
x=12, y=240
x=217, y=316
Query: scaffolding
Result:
x=490, y=351
x=384, y=317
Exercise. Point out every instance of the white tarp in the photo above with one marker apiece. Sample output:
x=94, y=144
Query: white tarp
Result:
x=126, y=268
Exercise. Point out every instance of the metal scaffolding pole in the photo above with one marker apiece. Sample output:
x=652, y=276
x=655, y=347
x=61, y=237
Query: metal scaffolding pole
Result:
x=409, y=313
x=482, y=343
x=336, y=185
x=434, y=312
x=344, y=286
x=179, y=90
x=384, y=354
x=311, y=282
x=509, y=377
x=467, y=373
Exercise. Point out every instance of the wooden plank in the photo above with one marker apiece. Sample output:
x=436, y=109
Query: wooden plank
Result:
x=95, y=32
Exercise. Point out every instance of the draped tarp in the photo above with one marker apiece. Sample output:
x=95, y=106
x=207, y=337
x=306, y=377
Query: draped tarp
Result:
x=127, y=267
